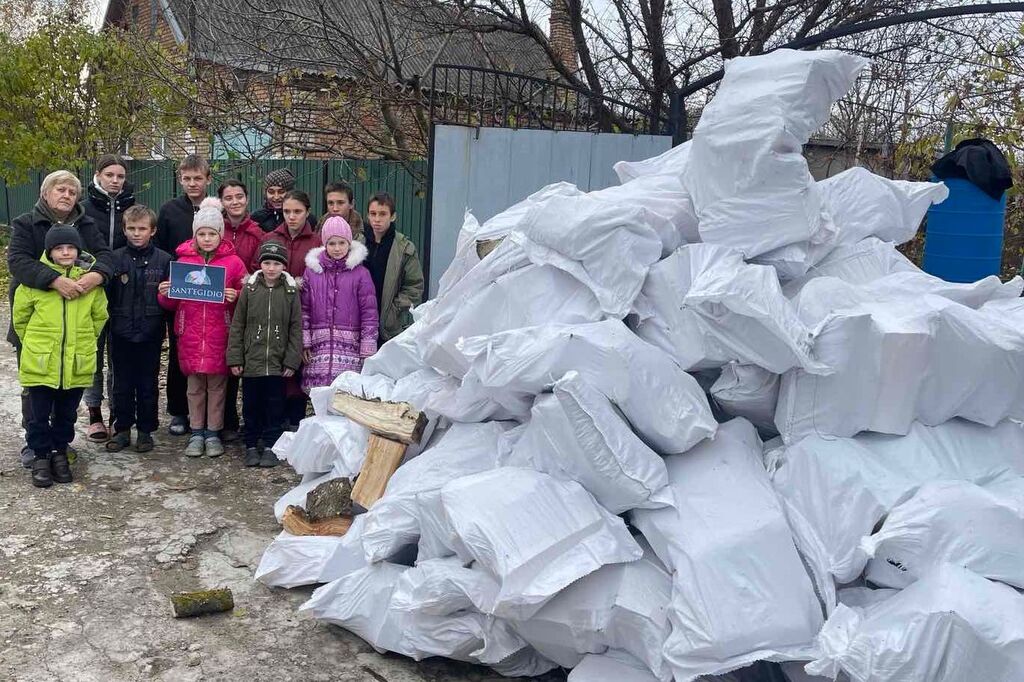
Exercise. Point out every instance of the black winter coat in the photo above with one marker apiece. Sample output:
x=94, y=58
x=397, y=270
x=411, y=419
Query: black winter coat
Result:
x=174, y=224
x=108, y=213
x=269, y=218
x=28, y=241
x=135, y=313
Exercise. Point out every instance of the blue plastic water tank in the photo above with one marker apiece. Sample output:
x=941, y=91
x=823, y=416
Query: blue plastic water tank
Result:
x=964, y=242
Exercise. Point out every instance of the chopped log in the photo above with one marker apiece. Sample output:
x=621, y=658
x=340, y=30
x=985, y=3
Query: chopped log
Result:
x=297, y=522
x=329, y=499
x=188, y=604
x=397, y=421
x=382, y=459
x=485, y=246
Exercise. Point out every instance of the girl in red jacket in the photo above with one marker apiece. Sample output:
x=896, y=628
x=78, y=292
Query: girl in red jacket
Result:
x=202, y=329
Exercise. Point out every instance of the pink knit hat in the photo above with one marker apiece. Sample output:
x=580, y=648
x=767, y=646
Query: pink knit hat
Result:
x=335, y=226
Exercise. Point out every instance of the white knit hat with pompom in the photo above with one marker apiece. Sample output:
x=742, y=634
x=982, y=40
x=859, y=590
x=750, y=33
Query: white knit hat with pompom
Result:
x=210, y=214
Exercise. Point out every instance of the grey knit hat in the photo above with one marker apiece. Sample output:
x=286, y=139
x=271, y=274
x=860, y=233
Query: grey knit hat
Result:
x=282, y=177
x=62, y=234
x=271, y=250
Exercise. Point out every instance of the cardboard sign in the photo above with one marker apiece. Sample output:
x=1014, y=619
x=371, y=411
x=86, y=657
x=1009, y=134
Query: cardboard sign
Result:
x=194, y=282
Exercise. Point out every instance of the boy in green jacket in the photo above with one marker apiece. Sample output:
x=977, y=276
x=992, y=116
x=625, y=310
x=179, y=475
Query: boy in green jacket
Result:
x=58, y=353
x=264, y=347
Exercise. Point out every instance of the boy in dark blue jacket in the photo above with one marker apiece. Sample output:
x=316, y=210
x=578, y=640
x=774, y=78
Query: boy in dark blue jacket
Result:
x=137, y=327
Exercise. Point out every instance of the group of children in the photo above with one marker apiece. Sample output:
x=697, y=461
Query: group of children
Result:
x=304, y=301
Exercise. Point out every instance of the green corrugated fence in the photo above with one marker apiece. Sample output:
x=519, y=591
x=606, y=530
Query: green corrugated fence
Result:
x=155, y=183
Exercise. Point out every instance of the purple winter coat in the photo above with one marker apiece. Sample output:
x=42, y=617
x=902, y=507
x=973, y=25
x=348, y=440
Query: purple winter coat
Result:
x=339, y=315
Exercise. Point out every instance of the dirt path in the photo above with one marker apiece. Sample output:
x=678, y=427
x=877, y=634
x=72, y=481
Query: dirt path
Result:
x=85, y=570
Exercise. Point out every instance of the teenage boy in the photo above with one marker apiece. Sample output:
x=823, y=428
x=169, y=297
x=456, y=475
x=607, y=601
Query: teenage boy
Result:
x=394, y=267
x=339, y=203
x=276, y=185
x=136, y=330
x=173, y=228
x=107, y=197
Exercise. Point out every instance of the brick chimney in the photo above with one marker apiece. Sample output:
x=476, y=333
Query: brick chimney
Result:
x=560, y=35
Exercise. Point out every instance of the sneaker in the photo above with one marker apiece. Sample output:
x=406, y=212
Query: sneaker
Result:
x=252, y=457
x=194, y=447
x=214, y=448
x=27, y=456
x=268, y=459
x=120, y=441
x=228, y=435
x=60, y=470
x=178, y=426
x=41, y=477
x=144, y=442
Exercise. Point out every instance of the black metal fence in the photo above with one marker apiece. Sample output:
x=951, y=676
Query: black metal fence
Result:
x=478, y=97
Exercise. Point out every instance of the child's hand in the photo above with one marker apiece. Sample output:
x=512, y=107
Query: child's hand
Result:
x=163, y=287
x=287, y=372
x=307, y=355
x=236, y=371
x=230, y=295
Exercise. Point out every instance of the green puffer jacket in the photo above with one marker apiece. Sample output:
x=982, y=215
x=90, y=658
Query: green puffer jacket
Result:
x=403, y=288
x=58, y=337
x=266, y=330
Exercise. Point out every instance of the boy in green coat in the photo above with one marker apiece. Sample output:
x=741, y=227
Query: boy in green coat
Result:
x=58, y=353
x=265, y=347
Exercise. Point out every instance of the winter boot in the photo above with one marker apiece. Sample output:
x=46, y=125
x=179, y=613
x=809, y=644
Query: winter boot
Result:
x=195, y=446
x=59, y=467
x=144, y=442
x=268, y=459
x=178, y=426
x=252, y=457
x=214, y=448
x=120, y=441
x=41, y=477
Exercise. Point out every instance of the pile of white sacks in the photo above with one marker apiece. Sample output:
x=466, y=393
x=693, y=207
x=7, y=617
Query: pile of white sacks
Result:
x=594, y=491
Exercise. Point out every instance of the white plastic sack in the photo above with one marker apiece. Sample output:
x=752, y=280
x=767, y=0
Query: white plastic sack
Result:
x=859, y=263
x=393, y=521
x=620, y=606
x=612, y=666
x=361, y=602
x=576, y=434
x=465, y=258
x=950, y=626
x=607, y=246
x=533, y=295
x=957, y=522
x=441, y=587
x=534, y=534
x=664, y=404
x=665, y=196
x=750, y=183
x=750, y=392
x=864, y=205
x=726, y=540
x=325, y=443
x=441, y=395
x=706, y=307
x=896, y=361
x=398, y=357
x=500, y=225
x=672, y=163
x=835, y=490
x=294, y=560
x=828, y=295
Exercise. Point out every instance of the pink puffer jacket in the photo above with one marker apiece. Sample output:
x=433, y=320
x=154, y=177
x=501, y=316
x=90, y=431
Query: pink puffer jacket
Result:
x=202, y=328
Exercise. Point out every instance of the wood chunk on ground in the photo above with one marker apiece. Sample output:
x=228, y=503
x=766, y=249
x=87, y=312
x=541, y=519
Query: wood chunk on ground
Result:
x=296, y=522
x=329, y=499
x=395, y=421
x=188, y=604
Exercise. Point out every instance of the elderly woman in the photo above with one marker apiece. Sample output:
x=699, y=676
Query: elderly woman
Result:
x=58, y=204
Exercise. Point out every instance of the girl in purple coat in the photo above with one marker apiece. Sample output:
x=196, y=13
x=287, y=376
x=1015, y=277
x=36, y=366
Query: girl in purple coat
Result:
x=339, y=307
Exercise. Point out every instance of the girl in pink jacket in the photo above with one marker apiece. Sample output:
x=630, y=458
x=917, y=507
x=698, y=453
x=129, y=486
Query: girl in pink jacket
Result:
x=339, y=307
x=202, y=329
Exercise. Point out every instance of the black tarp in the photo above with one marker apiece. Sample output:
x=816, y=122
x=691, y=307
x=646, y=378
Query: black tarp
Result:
x=980, y=162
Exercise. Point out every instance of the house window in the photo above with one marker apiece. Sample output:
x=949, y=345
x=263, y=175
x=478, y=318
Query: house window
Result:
x=240, y=142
